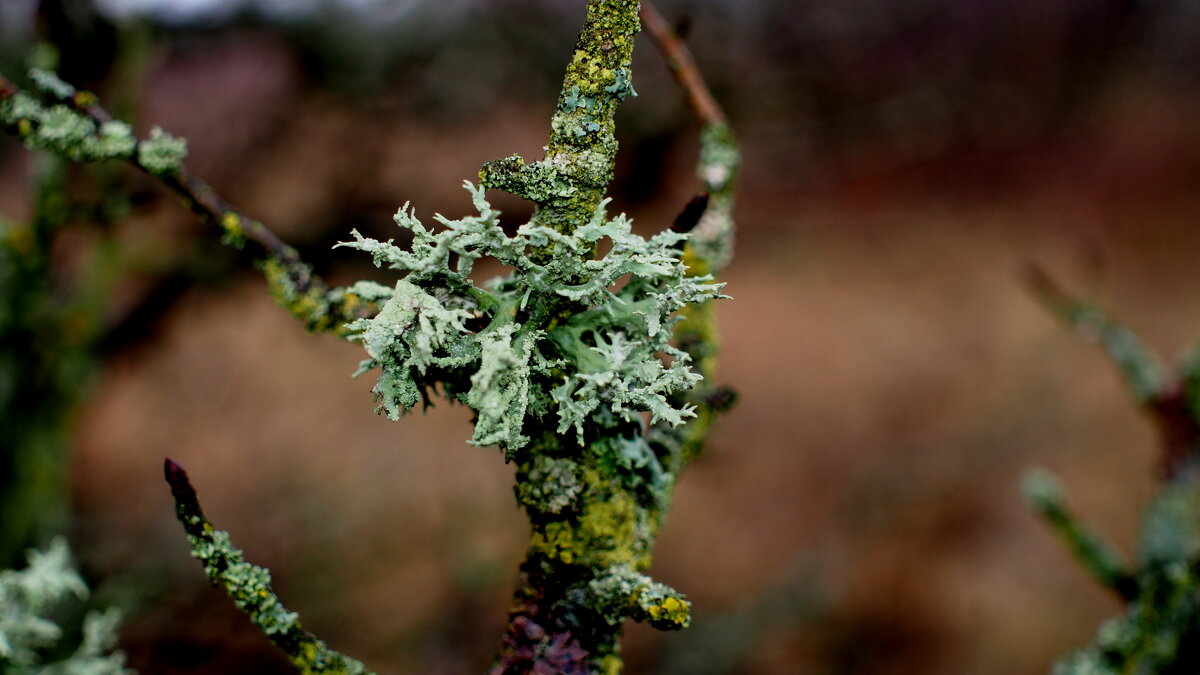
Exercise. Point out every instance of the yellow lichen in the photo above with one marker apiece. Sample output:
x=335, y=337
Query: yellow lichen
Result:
x=671, y=609
x=85, y=99
x=611, y=664
x=604, y=534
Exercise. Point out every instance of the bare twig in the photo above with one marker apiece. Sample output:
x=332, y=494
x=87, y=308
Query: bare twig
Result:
x=682, y=65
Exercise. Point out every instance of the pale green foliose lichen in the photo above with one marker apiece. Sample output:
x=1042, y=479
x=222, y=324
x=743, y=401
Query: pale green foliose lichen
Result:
x=26, y=633
x=605, y=353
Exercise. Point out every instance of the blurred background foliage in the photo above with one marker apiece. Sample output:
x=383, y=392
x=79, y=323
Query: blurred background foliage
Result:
x=857, y=513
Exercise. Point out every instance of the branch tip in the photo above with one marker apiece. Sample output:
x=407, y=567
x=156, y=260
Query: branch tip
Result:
x=187, y=503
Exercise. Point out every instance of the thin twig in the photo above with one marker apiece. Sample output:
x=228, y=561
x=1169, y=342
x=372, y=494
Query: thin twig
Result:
x=1164, y=392
x=682, y=65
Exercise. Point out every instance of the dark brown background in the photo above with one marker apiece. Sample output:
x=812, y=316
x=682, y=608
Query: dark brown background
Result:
x=858, y=512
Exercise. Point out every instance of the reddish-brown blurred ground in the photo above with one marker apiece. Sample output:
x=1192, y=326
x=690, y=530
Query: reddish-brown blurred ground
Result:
x=895, y=381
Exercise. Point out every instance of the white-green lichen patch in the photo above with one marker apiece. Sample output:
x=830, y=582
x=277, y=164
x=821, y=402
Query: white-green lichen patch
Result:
x=162, y=154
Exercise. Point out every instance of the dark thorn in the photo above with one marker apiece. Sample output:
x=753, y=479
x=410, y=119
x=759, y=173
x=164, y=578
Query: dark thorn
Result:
x=689, y=217
x=1127, y=588
x=721, y=399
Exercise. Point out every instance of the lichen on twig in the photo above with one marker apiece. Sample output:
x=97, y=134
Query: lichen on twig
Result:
x=72, y=124
x=249, y=586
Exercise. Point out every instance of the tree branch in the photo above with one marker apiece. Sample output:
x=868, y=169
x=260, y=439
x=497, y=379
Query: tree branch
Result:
x=1169, y=395
x=708, y=218
x=94, y=135
x=1141, y=369
x=569, y=183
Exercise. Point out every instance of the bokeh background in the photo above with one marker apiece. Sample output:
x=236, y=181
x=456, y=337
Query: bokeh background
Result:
x=858, y=512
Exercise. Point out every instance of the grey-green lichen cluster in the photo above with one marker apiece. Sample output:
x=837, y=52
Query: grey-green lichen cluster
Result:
x=27, y=635
x=64, y=130
x=570, y=361
x=511, y=349
x=711, y=246
x=161, y=153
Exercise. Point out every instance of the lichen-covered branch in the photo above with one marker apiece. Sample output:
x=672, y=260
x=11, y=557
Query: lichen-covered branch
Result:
x=719, y=167
x=567, y=185
x=567, y=362
x=1141, y=369
x=250, y=586
x=74, y=125
x=708, y=219
x=1159, y=630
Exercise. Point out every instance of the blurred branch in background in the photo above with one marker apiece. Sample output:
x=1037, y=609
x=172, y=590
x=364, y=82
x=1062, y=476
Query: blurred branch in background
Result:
x=55, y=319
x=1170, y=396
x=1160, y=630
x=95, y=136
